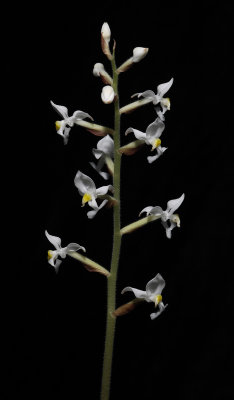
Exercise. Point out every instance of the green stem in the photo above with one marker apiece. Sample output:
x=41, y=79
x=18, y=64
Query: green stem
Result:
x=111, y=289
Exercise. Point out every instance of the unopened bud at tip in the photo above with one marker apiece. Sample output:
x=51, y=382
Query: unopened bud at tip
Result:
x=139, y=53
x=107, y=94
x=106, y=32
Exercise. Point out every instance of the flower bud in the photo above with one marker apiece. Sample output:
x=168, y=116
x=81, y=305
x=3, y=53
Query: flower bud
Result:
x=106, y=32
x=105, y=39
x=139, y=53
x=107, y=94
x=98, y=69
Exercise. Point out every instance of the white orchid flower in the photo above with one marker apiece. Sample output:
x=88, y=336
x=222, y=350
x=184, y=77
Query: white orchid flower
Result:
x=60, y=251
x=158, y=97
x=167, y=215
x=151, y=137
x=61, y=126
x=152, y=293
x=89, y=193
x=104, y=153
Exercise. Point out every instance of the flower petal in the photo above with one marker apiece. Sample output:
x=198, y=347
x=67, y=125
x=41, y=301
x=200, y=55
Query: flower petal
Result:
x=155, y=286
x=147, y=94
x=57, y=265
x=164, y=87
x=106, y=145
x=161, y=309
x=75, y=247
x=156, y=210
x=140, y=294
x=172, y=205
x=55, y=240
x=78, y=115
x=104, y=189
x=84, y=184
x=63, y=111
x=138, y=134
x=155, y=129
x=147, y=210
x=97, y=153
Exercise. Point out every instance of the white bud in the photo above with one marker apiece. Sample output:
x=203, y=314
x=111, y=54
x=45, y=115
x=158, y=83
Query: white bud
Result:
x=139, y=53
x=107, y=94
x=98, y=68
x=106, y=32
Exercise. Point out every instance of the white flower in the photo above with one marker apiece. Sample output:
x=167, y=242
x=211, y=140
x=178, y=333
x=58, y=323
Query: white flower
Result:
x=139, y=53
x=104, y=154
x=60, y=251
x=61, y=126
x=167, y=215
x=151, y=137
x=107, y=94
x=152, y=293
x=158, y=98
x=89, y=193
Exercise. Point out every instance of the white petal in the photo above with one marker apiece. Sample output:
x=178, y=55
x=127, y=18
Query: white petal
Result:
x=156, y=210
x=97, y=153
x=78, y=115
x=160, y=151
x=138, y=134
x=93, y=204
x=75, y=247
x=57, y=265
x=63, y=111
x=160, y=113
x=140, y=294
x=155, y=286
x=147, y=210
x=147, y=94
x=172, y=205
x=104, y=189
x=84, y=184
x=91, y=214
x=152, y=158
x=106, y=145
x=168, y=228
x=55, y=240
x=66, y=135
x=155, y=129
x=163, y=88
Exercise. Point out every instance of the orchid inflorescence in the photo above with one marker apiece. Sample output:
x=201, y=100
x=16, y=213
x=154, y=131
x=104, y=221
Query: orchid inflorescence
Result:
x=107, y=164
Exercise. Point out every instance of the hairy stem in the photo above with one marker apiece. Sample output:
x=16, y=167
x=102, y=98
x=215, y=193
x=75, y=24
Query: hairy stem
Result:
x=111, y=290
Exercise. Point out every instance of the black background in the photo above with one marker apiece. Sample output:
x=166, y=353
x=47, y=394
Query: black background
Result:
x=54, y=324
